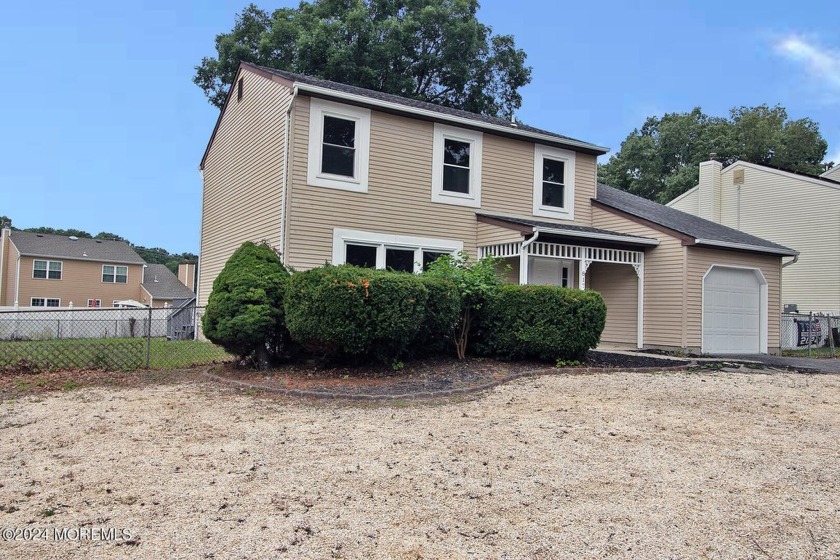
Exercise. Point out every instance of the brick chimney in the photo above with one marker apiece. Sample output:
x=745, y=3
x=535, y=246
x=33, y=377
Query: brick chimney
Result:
x=186, y=274
x=709, y=188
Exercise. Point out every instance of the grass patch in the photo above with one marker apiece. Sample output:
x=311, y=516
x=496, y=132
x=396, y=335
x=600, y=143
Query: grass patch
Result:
x=120, y=354
x=821, y=352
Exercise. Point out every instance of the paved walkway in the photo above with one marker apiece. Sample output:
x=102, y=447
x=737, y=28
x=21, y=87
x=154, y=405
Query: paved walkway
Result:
x=825, y=365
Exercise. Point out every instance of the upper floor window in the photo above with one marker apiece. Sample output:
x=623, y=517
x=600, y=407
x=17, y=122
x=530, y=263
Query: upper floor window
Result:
x=47, y=270
x=554, y=182
x=339, y=146
x=114, y=274
x=456, y=161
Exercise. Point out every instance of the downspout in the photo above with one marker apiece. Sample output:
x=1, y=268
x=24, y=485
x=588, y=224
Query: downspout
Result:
x=523, y=257
x=795, y=258
x=4, y=234
x=285, y=184
x=17, y=280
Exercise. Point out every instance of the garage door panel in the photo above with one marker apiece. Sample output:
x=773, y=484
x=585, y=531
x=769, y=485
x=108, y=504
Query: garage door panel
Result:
x=731, y=311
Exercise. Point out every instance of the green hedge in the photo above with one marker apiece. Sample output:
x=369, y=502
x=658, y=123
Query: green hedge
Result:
x=356, y=312
x=443, y=308
x=542, y=322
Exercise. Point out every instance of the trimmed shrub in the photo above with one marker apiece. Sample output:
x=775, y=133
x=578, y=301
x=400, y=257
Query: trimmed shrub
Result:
x=355, y=312
x=244, y=314
x=443, y=308
x=543, y=322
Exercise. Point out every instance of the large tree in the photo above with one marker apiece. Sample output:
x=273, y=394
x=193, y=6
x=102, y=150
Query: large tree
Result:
x=661, y=159
x=431, y=50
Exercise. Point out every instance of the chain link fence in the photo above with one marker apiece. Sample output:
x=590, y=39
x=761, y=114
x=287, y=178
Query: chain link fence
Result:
x=812, y=335
x=113, y=338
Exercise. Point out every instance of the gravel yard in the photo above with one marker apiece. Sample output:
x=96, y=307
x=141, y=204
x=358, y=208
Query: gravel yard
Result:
x=676, y=465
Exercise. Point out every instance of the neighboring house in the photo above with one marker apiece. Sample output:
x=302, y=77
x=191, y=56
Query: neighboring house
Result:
x=326, y=172
x=796, y=210
x=161, y=288
x=43, y=270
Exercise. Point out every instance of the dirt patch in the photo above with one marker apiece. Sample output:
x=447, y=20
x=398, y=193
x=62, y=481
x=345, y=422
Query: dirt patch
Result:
x=436, y=376
x=19, y=384
x=674, y=465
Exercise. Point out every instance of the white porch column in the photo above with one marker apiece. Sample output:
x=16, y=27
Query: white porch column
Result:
x=523, y=266
x=640, y=301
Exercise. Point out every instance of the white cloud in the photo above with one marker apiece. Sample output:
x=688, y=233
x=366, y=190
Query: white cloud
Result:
x=821, y=62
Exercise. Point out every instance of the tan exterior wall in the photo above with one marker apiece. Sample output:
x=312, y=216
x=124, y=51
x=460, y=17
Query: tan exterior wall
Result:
x=243, y=176
x=186, y=274
x=699, y=260
x=398, y=200
x=618, y=284
x=689, y=203
x=664, y=309
x=796, y=213
x=7, y=290
x=488, y=234
x=80, y=281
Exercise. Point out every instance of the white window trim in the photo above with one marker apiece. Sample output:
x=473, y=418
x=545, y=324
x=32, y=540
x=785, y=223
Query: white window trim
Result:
x=45, y=306
x=383, y=241
x=96, y=302
x=475, y=139
x=318, y=108
x=568, y=158
x=114, y=281
x=61, y=271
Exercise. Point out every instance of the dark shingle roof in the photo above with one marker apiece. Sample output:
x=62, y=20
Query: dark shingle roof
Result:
x=162, y=284
x=416, y=104
x=687, y=224
x=83, y=249
x=573, y=230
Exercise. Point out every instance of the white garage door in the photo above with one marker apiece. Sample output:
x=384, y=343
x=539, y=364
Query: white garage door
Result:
x=731, y=312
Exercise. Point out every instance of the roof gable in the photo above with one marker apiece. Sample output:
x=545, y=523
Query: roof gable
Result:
x=704, y=232
x=815, y=179
x=72, y=248
x=161, y=283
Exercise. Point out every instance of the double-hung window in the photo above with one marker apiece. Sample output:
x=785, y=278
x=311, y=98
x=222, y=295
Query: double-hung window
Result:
x=50, y=270
x=456, y=161
x=554, y=182
x=392, y=252
x=112, y=274
x=339, y=146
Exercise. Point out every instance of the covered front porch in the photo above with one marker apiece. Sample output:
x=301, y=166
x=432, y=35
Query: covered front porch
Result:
x=580, y=257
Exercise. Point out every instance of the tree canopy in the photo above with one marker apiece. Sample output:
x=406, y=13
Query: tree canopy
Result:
x=430, y=50
x=660, y=160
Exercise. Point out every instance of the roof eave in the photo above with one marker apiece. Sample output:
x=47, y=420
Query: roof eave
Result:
x=599, y=236
x=435, y=115
x=86, y=259
x=746, y=247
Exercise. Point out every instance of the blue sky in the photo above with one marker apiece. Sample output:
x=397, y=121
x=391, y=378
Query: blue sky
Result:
x=103, y=129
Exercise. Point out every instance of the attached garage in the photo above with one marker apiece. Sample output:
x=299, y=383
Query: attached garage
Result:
x=733, y=301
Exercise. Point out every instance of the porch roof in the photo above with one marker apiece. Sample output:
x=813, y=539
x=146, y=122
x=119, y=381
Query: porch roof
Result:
x=526, y=225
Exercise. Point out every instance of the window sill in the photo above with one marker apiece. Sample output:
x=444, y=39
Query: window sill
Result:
x=549, y=212
x=333, y=182
x=456, y=199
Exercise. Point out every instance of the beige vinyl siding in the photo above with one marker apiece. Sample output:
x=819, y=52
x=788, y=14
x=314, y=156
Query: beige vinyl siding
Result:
x=797, y=213
x=243, y=176
x=618, y=284
x=833, y=174
x=488, y=234
x=398, y=200
x=699, y=260
x=7, y=293
x=689, y=202
x=80, y=281
x=664, y=280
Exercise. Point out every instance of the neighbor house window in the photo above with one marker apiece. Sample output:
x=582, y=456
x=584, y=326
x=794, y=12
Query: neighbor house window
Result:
x=47, y=270
x=339, y=146
x=554, y=182
x=94, y=303
x=456, y=161
x=114, y=274
x=391, y=252
x=45, y=302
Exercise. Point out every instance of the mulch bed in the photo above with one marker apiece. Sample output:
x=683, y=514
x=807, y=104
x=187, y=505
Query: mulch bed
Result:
x=418, y=379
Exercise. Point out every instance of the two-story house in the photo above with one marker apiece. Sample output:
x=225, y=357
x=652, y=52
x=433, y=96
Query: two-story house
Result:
x=327, y=172
x=43, y=270
x=796, y=210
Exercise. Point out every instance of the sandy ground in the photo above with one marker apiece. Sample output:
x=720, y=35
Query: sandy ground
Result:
x=678, y=465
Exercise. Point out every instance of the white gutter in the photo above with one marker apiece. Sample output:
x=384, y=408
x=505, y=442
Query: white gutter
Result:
x=600, y=236
x=5, y=233
x=436, y=115
x=747, y=247
x=795, y=258
x=17, y=279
